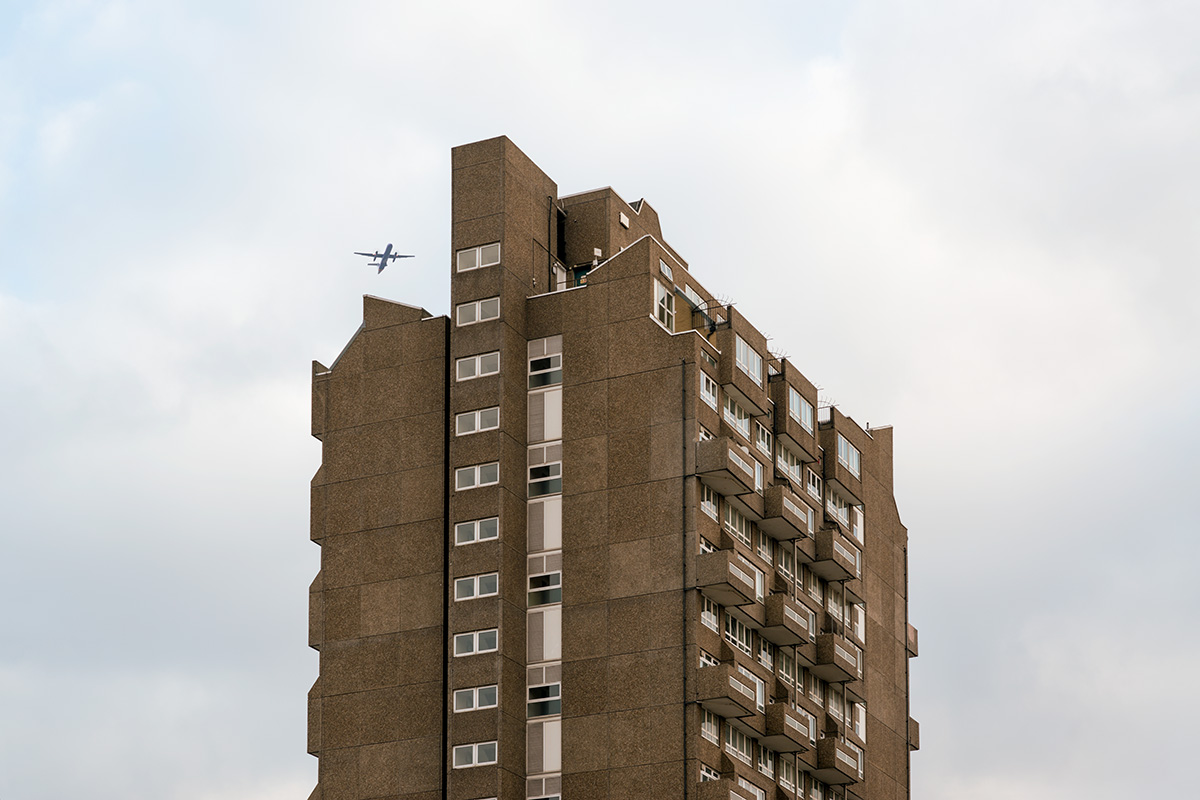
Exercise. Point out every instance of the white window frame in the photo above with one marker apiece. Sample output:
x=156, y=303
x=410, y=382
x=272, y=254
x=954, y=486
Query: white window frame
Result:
x=760, y=687
x=708, y=501
x=473, y=587
x=664, y=268
x=477, y=364
x=766, y=761
x=477, y=257
x=480, y=420
x=710, y=727
x=766, y=654
x=473, y=638
x=737, y=744
x=856, y=523
x=737, y=417
x=707, y=773
x=477, y=311
x=735, y=630
x=785, y=562
x=475, y=529
x=787, y=667
x=760, y=581
x=703, y=434
x=849, y=457
x=710, y=614
x=813, y=483
x=749, y=361
x=838, y=507
x=553, y=694
x=707, y=659
x=787, y=774
x=478, y=474
x=791, y=466
x=476, y=702
x=738, y=525
x=759, y=794
x=552, y=364
x=548, y=484
x=664, y=306
x=476, y=755
x=800, y=409
x=763, y=439
x=550, y=586
x=708, y=390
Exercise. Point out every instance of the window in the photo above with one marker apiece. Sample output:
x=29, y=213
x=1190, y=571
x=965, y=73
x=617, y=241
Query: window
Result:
x=814, y=484
x=737, y=416
x=706, y=546
x=848, y=456
x=545, y=589
x=766, y=654
x=859, y=712
x=836, y=701
x=708, y=390
x=759, y=476
x=856, y=523
x=485, y=419
x=477, y=311
x=693, y=297
x=477, y=366
x=818, y=790
x=710, y=614
x=474, y=755
x=665, y=269
x=816, y=689
x=787, y=774
x=737, y=634
x=785, y=562
x=545, y=371
x=838, y=507
x=787, y=667
x=707, y=659
x=545, y=700
x=764, y=547
x=708, y=500
x=487, y=255
x=474, y=699
x=792, y=466
x=708, y=358
x=760, y=687
x=759, y=579
x=479, y=530
x=704, y=434
x=800, y=409
x=749, y=361
x=859, y=622
x=477, y=475
x=664, y=306
x=545, y=479
x=762, y=438
x=766, y=761
x=737, y=743
x=477, y=586
x=707, y=773
x=809, y=720
x=468, y=644
x=737, y=525
x=710, y=727
x=758, y=793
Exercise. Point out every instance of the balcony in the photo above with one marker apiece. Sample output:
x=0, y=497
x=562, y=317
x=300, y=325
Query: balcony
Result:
x=721, y=577
x=838, y=762
x=721, y=465
x=787, y=730
x=911, y=646
x=838, y=559
x=785, y=516
x=788, y=622
x=733, y=379
x=789, y=430
x=914, y=734
x=838, y=659
x=835, y=473
x=725, y=692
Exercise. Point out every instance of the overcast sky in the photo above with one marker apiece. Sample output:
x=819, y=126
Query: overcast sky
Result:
x=985, y=214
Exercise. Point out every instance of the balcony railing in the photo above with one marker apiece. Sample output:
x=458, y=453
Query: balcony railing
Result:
x=721, y=465
x=725, y=692
x=787, y=730
x=721, y=576
x=788, y=622
x=837, y=558
x=784, y=515
x=838, y=659
x=838, y=762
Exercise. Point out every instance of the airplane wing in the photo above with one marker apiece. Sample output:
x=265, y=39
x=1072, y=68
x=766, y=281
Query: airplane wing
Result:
x=368, y=255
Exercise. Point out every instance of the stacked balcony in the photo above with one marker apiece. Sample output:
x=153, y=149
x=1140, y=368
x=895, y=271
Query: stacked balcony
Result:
x=784, y=518
x=837, y=558
x=722, y=577
x=788, y=622
x=725, y=692
x=838, y=659
x=838, y=762
x=787, y=731
x=722, y=465
x=789, y=430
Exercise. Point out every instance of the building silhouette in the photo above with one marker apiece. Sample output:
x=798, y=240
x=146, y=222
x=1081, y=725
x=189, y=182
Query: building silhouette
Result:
x=588, y=538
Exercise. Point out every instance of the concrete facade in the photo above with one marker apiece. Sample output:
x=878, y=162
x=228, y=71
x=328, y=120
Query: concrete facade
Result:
x=587, y=538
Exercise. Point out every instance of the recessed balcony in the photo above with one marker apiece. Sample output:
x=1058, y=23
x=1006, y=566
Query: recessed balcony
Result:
x=721, y=465
x=835, y=470
x=789, y=430
x=787, y=730
x=785, y=516
x=725, y=692
x=788, y=622
x=838, y=762
x=838, y=659
x=749, y=392
x=723, y=578
x=838, y=559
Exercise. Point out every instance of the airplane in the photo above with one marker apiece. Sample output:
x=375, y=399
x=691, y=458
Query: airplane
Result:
x=384, y=257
